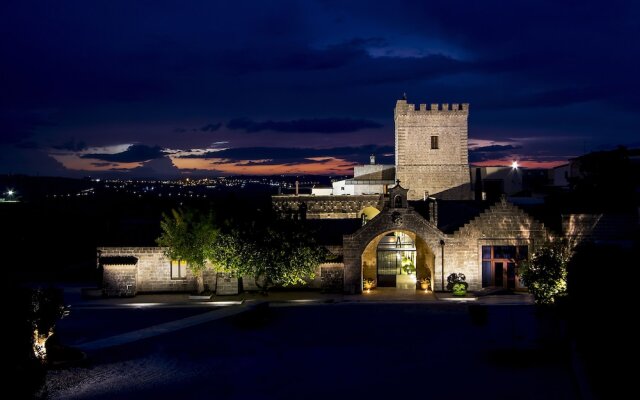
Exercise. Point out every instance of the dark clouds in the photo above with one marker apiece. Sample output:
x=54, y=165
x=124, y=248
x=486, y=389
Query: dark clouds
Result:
x=317, y=125
x=71, y=145
x=135, y=153
x=130, y=72
x=211, y=127
x=491, y=152
x=17, y=126
x=280, y=155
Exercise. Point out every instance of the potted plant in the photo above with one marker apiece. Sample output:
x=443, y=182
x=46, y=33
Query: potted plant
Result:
x=425, y=283
x=408, y=266
x=457, y=284
x=368, y=284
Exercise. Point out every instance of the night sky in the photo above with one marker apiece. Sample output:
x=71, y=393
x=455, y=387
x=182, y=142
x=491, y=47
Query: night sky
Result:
x=163, y=88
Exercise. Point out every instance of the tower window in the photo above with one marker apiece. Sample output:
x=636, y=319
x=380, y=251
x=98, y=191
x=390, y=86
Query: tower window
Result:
x=434, y=143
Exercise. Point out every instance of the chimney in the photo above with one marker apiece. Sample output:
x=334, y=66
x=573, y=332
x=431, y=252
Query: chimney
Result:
x=478, y=185
x=372, y=159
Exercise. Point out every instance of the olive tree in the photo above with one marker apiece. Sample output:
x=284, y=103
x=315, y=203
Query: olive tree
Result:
x=280, y=255
x=189, y=236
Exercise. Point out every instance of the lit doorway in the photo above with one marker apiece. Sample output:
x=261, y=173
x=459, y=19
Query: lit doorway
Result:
x=396, y=257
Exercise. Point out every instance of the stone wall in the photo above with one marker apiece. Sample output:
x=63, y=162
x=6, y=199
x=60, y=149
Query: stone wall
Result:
x=443, y=172
x=332, y=277
x=227, y=284
x=605, y=228
x=152, y=273
x=322, y=207
x=500, y=225
x=119, y=280
x=153, y=270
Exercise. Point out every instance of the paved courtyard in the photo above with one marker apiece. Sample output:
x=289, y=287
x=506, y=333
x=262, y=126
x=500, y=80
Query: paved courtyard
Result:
x=319, y=348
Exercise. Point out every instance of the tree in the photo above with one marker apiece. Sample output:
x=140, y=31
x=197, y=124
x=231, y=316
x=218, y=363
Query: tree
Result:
x=189, y=236
x=229, y=252
x=545, y=273
x=282, y=254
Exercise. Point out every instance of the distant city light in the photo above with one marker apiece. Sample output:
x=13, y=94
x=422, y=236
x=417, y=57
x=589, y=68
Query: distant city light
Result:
x=514, y=165
x=10, y=192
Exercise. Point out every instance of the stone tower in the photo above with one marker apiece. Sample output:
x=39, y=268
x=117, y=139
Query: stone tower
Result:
x=431, y=150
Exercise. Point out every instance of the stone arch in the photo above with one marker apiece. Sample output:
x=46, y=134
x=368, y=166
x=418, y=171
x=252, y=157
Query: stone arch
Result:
x=391, y=219
x=368, y=213
x=397, y=201
x=425, y=256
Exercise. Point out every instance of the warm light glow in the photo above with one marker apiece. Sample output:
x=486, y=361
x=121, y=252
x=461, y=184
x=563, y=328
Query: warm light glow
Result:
x=514, y=165
x=39, y=344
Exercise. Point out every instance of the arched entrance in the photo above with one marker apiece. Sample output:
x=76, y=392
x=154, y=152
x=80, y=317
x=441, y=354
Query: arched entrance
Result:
x=397, y=259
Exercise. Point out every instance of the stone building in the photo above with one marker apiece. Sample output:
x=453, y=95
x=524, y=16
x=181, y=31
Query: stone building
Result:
x=431, y=160
x=431, y=150
x=435, y=238
x=484, y=243
x=423, y=226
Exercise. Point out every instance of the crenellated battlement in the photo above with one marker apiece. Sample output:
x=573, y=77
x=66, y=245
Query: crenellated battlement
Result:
x=404, y=108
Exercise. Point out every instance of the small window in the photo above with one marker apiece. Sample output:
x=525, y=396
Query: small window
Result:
x=397, y=202
x=434, y=143
x=178, y=269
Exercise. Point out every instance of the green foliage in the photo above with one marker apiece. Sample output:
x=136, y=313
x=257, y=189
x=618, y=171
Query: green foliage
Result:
x=276, y=253
x=281, y=254
x=188, y=236
x=408, y=266
x=457, y=279
x=230, y=252
x=545, y=273
x=459, y=288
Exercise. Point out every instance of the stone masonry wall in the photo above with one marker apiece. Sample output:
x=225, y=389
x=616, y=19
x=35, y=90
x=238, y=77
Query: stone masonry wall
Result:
x=332, y=277
x=154, y=270
x=501, y=224
x=419, y=167
x=152, y=273
x=119, y=280
x=322, y=207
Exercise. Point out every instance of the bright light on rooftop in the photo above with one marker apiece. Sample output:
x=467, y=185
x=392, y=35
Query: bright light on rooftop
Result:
x=514, y=165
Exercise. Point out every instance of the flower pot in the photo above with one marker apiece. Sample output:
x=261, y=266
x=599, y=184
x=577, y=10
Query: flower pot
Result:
x=424, y=286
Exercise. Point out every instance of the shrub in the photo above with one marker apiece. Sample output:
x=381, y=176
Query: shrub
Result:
x=454, y=279
x=545, y=273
